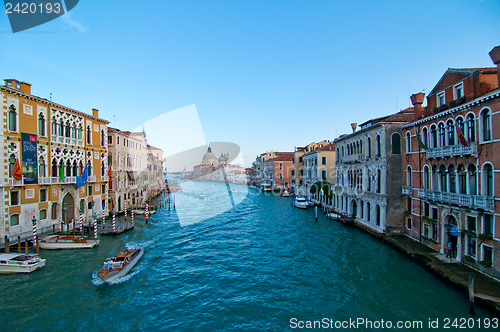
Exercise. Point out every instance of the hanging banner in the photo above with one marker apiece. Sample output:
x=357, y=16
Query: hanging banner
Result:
x=29, y=158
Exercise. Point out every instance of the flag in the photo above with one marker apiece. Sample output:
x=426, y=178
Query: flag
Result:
x=82, y=180
x=419, y=140
x=61, y=172
x=109, y=177
x=17, y=174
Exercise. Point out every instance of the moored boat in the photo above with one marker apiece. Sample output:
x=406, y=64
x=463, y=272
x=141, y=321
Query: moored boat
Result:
x=201, y=196
x=19, y=263
x=286, y=193
x=68, y=242
x=301, y=203
x=120, y=264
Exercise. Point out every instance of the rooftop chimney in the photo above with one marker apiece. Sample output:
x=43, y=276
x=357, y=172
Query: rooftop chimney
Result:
x=95, y=112
x=354, y=126
x=495, y=56
x=417, y=99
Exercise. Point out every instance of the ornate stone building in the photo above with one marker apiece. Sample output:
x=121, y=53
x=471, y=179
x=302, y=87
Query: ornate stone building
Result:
x=52, y=144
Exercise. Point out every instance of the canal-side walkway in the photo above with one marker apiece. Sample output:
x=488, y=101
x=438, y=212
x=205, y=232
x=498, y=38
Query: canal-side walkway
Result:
x=454, y=271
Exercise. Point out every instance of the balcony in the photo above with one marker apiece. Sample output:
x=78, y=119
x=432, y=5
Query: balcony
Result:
x=471, y=201
x=14, y=182
x=352, y=158
x=91, y=178
x=452, y=151
x=44, y=180
x=406, y=191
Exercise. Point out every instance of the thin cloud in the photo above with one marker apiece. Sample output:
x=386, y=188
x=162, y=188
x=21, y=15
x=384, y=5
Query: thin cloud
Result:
x=72, y=23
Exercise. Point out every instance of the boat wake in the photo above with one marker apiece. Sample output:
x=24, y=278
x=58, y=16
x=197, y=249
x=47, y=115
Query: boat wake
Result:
x=97, y=281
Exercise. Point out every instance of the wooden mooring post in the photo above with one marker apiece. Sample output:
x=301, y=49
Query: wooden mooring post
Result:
x=18, y=244
x=26, y=247
x=7, y=245
x=472, y=308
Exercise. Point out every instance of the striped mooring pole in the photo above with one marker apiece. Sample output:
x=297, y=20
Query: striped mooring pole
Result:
x=95, y=227
x=34, y=230
x=125, y=210
x=81, y=222
x=147, y=213
x=114, y=223
x=103, y=217
x=132, y=214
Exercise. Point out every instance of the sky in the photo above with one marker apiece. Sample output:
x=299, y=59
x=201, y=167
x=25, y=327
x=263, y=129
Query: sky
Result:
x=265, y=75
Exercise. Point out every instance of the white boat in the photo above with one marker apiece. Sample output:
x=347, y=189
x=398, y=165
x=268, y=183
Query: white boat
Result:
x=142, y=211
x=68, y=242
x=233, y=190
x=19, y=263
x=333, y=216
x=286, y=193
x=201, y=196
x=120, y=264
x=301, y=203
x=265, y=187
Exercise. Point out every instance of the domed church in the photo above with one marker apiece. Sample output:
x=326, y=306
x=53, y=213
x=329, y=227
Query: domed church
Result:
x=209, y=158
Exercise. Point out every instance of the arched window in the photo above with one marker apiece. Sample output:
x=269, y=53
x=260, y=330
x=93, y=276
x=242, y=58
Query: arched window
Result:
x=342, y=150
x=337, y=155
x=486, y=124
x=472, y=179
x=450, y=127
x=41, y=125
x=441, y=132
x=442, y=179
x=379, y=181
x=379, y=146
x=408, y=142
x=54, y=168
x=462, y=180
x=435, y=178
x=487, y=181
x=378, y=215
x=75, y=169
x=471, y=128
x=461, y=125
x=12, y=164
x=409, y=177
x=12, y=118
x=54, y=128
x=102, y=169
x=361, y=147
x=396, y=143
x=425, y=137
x=79, y=132
x=102, y=137
x=89, y=135
x=453, y=179
x=433, y=137
x=89, y=168
x=61, y=128
x=368, y=211
x=369, y=182
x=426, y=178
x=41, y=167
x=369, y=149
x=68, y=168
x=67, y=131
x=73, y=131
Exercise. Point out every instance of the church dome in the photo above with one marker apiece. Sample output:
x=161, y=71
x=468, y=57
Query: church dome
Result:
x=209, y=158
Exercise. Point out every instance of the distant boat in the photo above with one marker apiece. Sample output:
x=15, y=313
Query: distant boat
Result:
x=301, y=203
x=286, y=193
x=18, y=263
x=201, y=196
x=68, y=242
x=266, y=187
x=333, y=216
x=234, y=190
x=143, y=211
x=120, y=264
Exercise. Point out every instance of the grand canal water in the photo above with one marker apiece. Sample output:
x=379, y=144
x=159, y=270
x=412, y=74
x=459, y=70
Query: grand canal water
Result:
x=254, y=267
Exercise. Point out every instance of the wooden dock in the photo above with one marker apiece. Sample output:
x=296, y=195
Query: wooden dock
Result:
x=107, y=229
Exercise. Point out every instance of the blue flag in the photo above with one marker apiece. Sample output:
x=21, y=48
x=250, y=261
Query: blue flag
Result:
x=82, y=180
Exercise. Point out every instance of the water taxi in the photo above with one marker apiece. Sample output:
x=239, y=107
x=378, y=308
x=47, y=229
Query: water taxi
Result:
x=301, y=203
x=120, y=264
x=266, y=187
x=286, y=193
x=19, y=263
x=68, y=242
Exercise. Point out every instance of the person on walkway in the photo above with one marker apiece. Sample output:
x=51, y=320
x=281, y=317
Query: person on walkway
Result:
x=450, y=249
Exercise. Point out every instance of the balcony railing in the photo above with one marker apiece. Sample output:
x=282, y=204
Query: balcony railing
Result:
x=471, y=201
x=352, y=158
x=14, y=182
x=44, y=180
x=451, y=151
x=406, y=191
x=91, y=178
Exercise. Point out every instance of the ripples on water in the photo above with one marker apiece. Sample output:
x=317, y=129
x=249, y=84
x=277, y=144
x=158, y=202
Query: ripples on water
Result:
x=252, y=267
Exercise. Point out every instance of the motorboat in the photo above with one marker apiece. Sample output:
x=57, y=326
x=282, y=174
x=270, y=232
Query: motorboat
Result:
x=234, y=190
x=68, y=242
x=286, y=193
x=265, y=187
x=301, y=203
x=20, y=263
x=333, y=216
x=201, y=196
x=120, y=264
